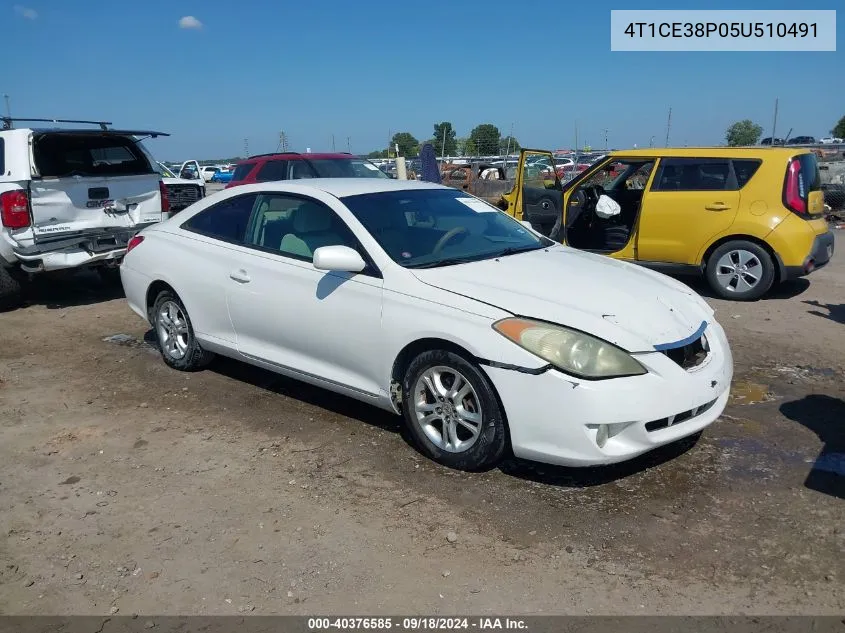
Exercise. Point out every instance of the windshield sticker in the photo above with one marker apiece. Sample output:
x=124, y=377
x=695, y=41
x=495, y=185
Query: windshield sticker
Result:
x=370, y=167
x=479, y=206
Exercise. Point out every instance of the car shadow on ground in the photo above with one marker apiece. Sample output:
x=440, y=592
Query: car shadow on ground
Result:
x=785, y=290
x=57, y=291
x=835, y=311
x=368, y=414
x=589, y=476
x=824, y=416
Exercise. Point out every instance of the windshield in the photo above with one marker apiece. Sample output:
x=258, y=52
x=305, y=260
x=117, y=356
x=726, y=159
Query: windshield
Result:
x=436, y=227
x=346, y=168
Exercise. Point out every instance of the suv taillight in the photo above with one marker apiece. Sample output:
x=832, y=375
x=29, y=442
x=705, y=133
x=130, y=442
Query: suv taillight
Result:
x=793, y=188
x=14, y=208
x=133, y=242
x=165, y=200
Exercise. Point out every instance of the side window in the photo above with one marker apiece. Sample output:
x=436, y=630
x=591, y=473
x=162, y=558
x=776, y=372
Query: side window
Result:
x=272, y=170
x=301, y=169
x=695, y=174
x=226, y=221
x=296, y=227
x=242, y=171
x=744, y=169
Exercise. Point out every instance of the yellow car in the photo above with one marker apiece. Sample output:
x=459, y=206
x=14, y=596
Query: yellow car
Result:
x=745, y=218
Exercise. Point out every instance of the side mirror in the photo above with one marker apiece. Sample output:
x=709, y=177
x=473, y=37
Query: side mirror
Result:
x=339, y=259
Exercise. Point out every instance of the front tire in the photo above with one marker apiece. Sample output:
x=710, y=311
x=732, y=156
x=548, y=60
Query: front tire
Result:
x=452, y=411
x=740, y=270
x=175, y=334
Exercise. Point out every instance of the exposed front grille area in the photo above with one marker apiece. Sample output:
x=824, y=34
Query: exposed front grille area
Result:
x=690, y=355
x=678, y=418
x=182, y=196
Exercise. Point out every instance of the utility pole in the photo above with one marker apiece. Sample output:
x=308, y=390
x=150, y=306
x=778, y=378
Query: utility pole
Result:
x=508, y=148
x=333, y=148
x=576, y=140
x=246, y=148
x=349, y=144
x=605, y=139
x=8, y=107
x=668, y=126
x=443, y=149
x=283, y=142
x=775, y=121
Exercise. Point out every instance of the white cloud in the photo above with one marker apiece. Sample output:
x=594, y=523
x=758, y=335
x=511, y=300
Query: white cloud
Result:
x=189, y=22
x=26, y=12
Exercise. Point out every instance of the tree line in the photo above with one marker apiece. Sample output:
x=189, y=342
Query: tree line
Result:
x=484, y=140
x=746, y=132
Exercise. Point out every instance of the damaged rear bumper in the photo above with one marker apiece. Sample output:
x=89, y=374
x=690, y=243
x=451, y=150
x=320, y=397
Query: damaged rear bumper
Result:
x=76, y=251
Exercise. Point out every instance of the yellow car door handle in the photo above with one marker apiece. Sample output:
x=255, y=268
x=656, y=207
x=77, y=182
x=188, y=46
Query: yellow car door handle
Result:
x=717, y=206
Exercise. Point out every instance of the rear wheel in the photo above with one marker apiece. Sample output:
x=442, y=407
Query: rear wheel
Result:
x=175, y=334
x=740, y=270
x=452, y=411
x=10, y=289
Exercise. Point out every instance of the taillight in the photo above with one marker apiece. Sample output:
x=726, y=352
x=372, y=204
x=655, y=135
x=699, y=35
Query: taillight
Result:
x=793, y=188
x=165, y=201
x=133, y=242
x=15, y=209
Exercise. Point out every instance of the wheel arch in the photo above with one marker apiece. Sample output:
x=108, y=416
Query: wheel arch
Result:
x=415, y=348
x=153, y=291
x=780, y=270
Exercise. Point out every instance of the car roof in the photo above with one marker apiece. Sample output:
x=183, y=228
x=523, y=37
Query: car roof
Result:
x=341, y=187
x=709, y=152
x=298, y=156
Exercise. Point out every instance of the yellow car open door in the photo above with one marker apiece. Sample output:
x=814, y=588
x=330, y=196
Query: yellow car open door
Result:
x=537, y=194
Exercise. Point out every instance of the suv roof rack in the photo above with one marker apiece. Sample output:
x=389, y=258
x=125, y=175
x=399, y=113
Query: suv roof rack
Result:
x=7, y=122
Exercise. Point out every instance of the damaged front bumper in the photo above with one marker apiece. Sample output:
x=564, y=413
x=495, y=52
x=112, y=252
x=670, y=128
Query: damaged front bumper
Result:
x=83, y=249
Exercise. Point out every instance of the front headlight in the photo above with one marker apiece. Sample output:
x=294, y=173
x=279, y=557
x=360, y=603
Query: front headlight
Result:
x=569, y=350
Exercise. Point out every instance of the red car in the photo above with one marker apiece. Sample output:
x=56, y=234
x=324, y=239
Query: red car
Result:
x=293, y=165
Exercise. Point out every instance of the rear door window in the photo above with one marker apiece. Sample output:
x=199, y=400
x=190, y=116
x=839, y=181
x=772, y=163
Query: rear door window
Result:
x=226, y=221
x=2, y=157
x=272, y=170
x=91, y=155
x=695, y=174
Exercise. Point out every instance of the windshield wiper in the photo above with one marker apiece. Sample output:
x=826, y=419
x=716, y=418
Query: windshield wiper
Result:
x=515, y=251
x=450, y=261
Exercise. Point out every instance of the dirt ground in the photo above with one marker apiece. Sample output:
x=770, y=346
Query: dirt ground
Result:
x=128, y=487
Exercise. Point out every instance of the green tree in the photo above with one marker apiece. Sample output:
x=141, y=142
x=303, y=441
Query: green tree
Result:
x=744, y=132
x=839, y=130
x=379, y=153
x=509, y=144
x=486, y=138
x=408, y=145
x=451, y=141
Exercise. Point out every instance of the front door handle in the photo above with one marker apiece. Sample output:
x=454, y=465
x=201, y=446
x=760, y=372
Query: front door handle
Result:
x=240, y=276
x=717, y=206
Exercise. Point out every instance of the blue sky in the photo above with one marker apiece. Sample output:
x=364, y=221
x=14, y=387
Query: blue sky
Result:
x=363, y=70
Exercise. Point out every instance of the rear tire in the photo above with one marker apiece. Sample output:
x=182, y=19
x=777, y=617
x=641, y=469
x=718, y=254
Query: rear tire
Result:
x=109, y=275
x=740, y=270
x=10, y=289
x=175, y=335
x=452, y=412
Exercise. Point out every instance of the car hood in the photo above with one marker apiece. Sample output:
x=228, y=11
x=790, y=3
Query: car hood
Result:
x=629, y=306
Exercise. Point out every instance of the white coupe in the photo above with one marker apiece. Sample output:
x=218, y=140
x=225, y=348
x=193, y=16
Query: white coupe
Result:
x=423, y=300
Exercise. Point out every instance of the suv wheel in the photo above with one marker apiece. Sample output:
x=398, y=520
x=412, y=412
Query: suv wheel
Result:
x=452, y=411
x=10, y=289
x=740, y=270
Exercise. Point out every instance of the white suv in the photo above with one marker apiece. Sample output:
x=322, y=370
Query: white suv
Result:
x=72, y=197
